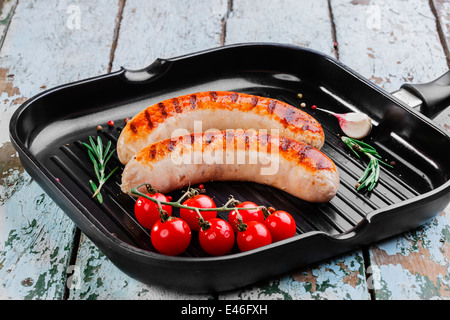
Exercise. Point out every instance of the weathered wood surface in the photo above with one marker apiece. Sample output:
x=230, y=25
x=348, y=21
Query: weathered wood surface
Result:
x=79, y=39
x=43, y=47
x=306, y=23
x=414, y=265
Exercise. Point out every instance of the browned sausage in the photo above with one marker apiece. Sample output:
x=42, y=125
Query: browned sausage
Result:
x=234, y=155
x=218, y=110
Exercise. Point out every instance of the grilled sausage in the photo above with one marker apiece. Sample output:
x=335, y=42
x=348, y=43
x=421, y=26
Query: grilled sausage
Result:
x=216, y=110
x=234, y=155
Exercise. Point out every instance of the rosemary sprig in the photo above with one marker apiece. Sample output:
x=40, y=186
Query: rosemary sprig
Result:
x=99, y=157
x=371, y=174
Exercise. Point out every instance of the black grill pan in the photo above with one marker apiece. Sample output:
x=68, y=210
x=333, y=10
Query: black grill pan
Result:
x=48, y=131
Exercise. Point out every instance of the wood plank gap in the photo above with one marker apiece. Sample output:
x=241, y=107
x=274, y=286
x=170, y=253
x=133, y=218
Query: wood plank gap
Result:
x=8, y=18
x=440, y=32
x=72, y=261
x=333, y=30
x=116, y=34
x=368, y=272
x=224, y=23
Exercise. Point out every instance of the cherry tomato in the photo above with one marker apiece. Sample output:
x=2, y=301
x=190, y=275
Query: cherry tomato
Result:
x=247, y=215
x=171, y=237
x=254, y=236
x=191, y=217
x=146, y=211
x=281, y=225
x=217, y=238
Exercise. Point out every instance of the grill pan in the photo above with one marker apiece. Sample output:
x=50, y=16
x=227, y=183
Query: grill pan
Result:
x=48, y=130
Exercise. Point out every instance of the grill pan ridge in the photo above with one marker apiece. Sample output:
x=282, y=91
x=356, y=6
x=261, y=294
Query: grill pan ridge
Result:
x=49, y=139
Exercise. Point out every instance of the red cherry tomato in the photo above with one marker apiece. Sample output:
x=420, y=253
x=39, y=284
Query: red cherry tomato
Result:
x=254, y=236
x=146, y=211
x=218, y=238
x=247, y=215
x=171, y=237
x=191, y=217
x=281, y=225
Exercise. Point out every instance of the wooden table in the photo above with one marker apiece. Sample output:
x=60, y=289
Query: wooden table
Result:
x=47, y=43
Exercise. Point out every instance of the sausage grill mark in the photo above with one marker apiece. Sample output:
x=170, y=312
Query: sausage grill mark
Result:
x=162, y=108
x=193, y=100
x=289, y=115
x=152, y=152
x=285, y=143
x=302, y=154
x=209, y=137
x=213, y=95
x=176, y=105
x=254, y=101
x=133, y=128
x=149, y=120
x=247, y=139
x=272, y=105
x=172, y=145
x=320, y=165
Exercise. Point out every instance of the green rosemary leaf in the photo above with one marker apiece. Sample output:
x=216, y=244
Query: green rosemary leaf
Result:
x=371, y=174
x=363, y=144
x=108, y=145
x=94, y=188
x=386, y=164
x=109, y=156
x=356, y=153
x=97, y=173
x=88, y=147
x=100, y=149
x=110, y=174
x=99, y=156
x=377, y=171
x=94, y=147
x=370, y=151
x=91, y=156
x=350, y=144
x=365, y=174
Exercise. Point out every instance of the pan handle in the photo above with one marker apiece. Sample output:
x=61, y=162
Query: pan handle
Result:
x=154, y=70
x=435, y=95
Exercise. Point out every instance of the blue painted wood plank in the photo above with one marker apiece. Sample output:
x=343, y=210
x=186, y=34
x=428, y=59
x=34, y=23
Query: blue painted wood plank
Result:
x=391, y=43
x=339, y=278
x=305, y=23
x=95, y=277
x=149, y=30
x=47, y=43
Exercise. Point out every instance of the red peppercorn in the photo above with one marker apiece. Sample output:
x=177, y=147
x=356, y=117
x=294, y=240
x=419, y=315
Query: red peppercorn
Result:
x=111, y=123
x=127, y=120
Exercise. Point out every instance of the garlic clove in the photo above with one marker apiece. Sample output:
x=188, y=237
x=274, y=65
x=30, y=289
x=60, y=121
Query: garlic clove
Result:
x=354, y=124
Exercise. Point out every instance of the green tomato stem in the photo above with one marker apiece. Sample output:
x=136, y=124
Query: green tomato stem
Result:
x=177, y=204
